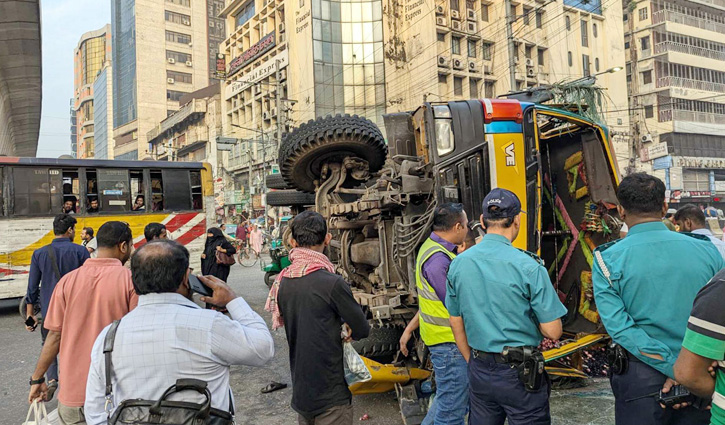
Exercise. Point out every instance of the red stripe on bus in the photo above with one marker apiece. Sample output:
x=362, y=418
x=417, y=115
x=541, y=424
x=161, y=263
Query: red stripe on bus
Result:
x=195, y=232
x=176, y=223
x=7, y=272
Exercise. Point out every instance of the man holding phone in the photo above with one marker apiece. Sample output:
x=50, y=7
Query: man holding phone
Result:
x=169, y=337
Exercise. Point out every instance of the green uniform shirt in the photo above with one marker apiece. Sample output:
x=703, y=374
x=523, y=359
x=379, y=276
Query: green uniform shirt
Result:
x=705, y=336
x=502, y=294
x=655, y=275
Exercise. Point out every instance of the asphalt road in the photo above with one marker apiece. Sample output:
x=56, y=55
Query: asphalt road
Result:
x=19, y=352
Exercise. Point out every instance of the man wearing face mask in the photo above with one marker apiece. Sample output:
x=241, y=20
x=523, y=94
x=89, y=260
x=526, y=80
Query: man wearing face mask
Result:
x=83, y=303
x=169, y=337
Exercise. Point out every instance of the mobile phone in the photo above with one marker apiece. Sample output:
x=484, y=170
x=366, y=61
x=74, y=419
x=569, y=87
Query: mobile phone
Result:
x=30, y=322
x=197, y=286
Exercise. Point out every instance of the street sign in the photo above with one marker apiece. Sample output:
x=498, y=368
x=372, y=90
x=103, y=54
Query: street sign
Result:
x=662, y=163
x=225, y=143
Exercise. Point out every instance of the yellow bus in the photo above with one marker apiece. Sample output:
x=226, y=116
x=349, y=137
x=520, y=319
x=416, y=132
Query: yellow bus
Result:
x=34, y=190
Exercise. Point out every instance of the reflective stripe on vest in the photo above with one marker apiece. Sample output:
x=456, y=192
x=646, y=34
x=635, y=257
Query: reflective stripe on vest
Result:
x=435, y=327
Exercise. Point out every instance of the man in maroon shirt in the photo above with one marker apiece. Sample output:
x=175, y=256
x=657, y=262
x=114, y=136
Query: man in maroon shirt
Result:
x=242, y=231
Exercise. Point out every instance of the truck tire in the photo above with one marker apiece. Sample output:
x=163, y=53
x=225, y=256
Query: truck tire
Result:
x=289, y=198
x=304, y=151
x=383, y=341
x=275, y=181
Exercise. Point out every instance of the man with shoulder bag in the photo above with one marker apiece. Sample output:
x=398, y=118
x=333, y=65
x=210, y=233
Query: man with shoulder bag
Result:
x=169, y=350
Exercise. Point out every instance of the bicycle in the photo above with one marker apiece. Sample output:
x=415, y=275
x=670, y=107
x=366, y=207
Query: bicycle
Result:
x=248, y=257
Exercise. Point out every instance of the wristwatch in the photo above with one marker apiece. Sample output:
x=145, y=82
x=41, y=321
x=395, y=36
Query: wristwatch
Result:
x=37, y=381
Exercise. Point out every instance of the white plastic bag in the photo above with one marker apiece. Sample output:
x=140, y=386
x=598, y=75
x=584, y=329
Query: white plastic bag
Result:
x=355, y=369
x=37, y=415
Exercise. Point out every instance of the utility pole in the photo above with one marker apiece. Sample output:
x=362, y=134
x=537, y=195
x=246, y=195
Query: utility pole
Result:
x=281, y=114
x=510, y=37
x=249, y=181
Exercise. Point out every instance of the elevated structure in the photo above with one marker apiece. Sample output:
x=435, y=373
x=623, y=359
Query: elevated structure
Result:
x=20, y=77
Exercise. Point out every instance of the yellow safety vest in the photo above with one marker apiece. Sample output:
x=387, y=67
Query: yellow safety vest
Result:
x=435, y=327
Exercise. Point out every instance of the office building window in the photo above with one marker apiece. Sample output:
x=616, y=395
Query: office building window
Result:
x=644, y=43
x=527, y=11
x=540, y=56
x=516, y=50
x=179, y=77
x=454, y=5
x=647, y=77
x=585, y=65
x=458, y=86
x=473, y=88
x=178, y=18
x=486, y=50
x=585, y=34
x=441, y=37
x=649, y=111
x=177, y=37
x=484, y=12
x=596, y=64
x=178, y=57
x=489, y=91
x=442, y=79
x=471, y=48
x=244, y=14
x=174, y=95
x=567, y=21
x=186, y=3
x=539, y=18
x=570, y=59
x=595, y=30
x=625, y=17
x=528, y=50
x=456, y=45
x=643, y=14
x=626, y=44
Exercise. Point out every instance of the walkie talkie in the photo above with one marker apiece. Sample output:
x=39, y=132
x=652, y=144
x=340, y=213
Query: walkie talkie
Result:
x=677, y=394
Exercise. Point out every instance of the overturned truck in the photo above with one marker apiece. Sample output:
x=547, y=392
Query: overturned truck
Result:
x=379, y=198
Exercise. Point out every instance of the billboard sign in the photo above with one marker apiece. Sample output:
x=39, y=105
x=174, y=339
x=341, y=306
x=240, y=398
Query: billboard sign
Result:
x=252, y=53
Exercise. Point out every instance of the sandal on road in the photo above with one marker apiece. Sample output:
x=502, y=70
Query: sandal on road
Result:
x=273, y=386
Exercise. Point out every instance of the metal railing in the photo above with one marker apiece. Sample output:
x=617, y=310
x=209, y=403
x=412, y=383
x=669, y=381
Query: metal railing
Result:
x=688, y=83
x=671, y=46
x=692, y=21
x=691, y=116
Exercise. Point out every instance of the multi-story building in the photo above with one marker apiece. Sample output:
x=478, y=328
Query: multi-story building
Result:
x=92, y=52
x=676, y=77
x=103, y=113
x=371, y=57
x=190, y=133
x=73, y=130
x=161, y=52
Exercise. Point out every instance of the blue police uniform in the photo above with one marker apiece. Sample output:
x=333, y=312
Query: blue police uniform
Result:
x=502, y=294
x=644, y=287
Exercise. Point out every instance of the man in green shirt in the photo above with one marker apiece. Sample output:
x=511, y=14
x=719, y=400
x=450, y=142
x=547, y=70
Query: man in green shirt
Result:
x=704, y=343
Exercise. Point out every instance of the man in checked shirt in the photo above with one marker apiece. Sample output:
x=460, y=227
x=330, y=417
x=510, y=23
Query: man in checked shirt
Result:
x=169, y=337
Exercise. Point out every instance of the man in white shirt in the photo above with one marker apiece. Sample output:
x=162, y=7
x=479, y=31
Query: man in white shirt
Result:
x=89, y=241
x=168, y=337
x=691, y=219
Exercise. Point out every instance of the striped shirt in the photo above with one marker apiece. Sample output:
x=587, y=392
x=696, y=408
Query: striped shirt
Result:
x=705, y=336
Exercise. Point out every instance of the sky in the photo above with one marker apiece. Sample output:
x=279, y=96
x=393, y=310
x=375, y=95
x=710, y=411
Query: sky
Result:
x=63, y=22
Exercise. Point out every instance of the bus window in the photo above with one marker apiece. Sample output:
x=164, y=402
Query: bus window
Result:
x=2, y=198
x=137, y=191
x=157, y=191
x=92, y=202
x=114, y=190
x=177, y=190
x=71, y=192
x=197, y=200
x=37, y=190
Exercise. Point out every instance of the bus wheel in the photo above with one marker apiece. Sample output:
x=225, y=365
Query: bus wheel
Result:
x=328, y=140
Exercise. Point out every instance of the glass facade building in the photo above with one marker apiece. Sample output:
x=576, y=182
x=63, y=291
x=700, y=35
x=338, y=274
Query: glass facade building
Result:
x=128, y=156
x=100, y=117
x=348, y=58
x=123, y=24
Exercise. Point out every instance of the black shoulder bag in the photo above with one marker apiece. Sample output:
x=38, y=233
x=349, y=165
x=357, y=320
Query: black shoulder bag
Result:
x=163, y=412
x=56, y=270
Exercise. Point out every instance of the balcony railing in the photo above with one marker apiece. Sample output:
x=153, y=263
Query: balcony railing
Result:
x=688, y=83
x=692, y=21
x=718, y=3
x=671, y=46
x=691, y=116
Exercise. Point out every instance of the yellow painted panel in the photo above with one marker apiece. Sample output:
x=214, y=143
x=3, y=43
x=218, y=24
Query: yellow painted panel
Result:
x=511, y=172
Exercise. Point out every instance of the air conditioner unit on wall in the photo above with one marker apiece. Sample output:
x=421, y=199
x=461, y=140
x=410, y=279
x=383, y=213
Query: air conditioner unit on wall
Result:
x=265, y=115
x=440, y=10
x=171, y=60
x=473, y=66
x=455, y=15
x=456, y=25
x=443, y=61
x=189, y=64
x=457, y=64
x=647, y=138
x=530, y=72
x=472, y=27
x=530, y=62
x=441, y=21
x=170, y=80
x=471, y=14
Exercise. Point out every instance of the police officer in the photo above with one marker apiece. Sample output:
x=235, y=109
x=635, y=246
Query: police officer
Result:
x=644, y=286
x=450, y=227
x=501, y=301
